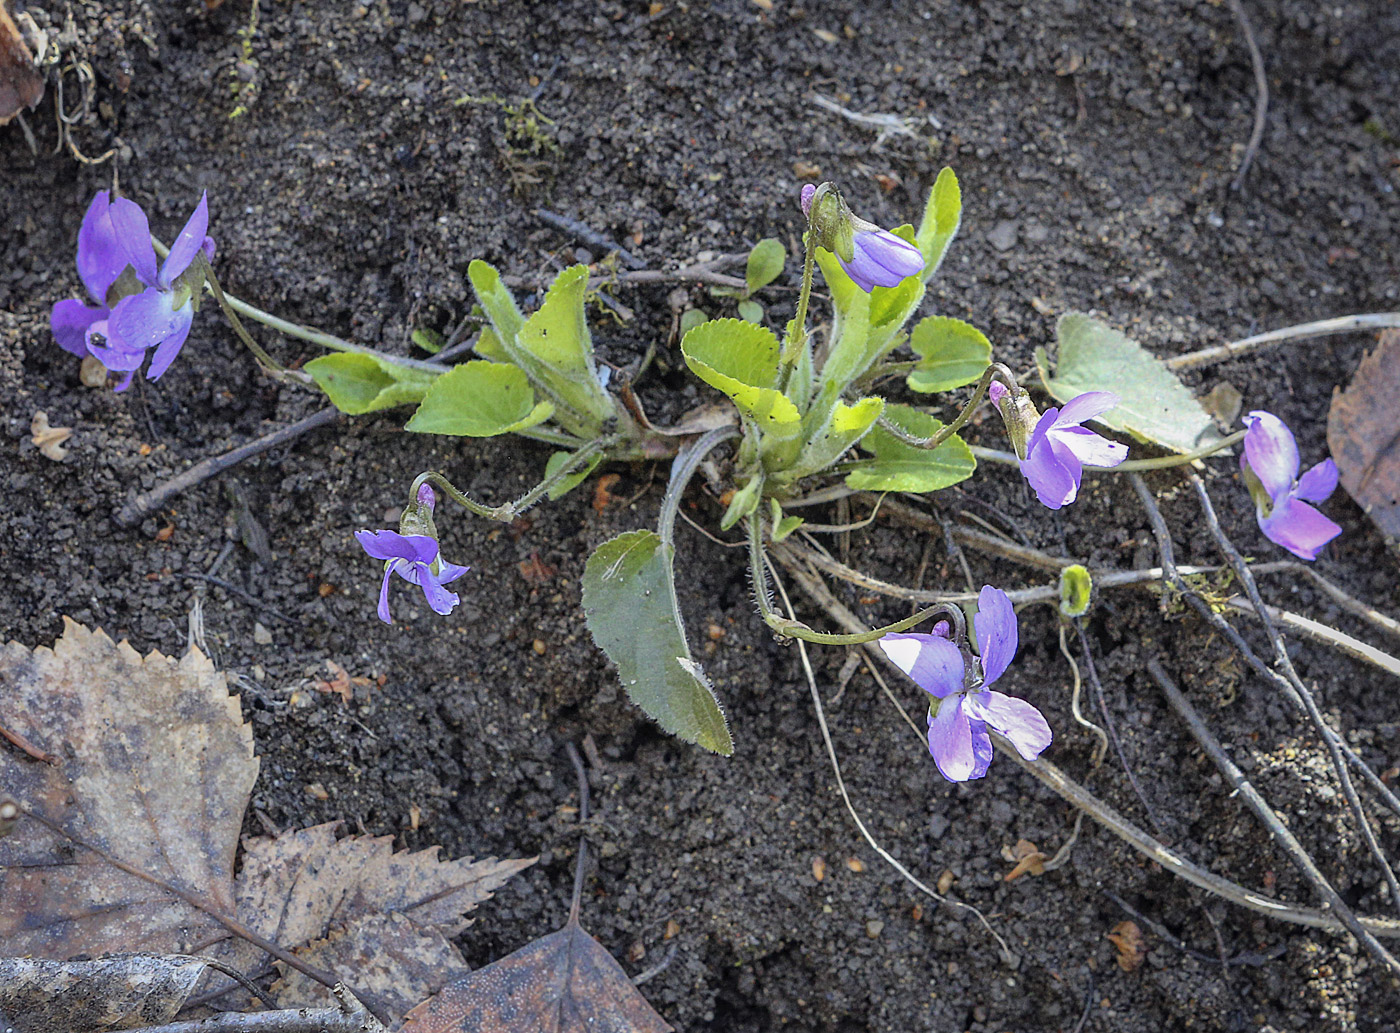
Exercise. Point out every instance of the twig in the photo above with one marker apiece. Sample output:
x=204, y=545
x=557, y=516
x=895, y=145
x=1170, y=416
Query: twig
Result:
x=1084, y=722
x=144, y=504
x=647, y=975
x=1255, y=958
x=1320, y=328
x=1261, y=87
x=22, y=744
x=588, y=235
x=576, y=899
x=1319, y=632
x=1285, y=663
x=291, y=1020
x=1072, y=792
x=1240, y=786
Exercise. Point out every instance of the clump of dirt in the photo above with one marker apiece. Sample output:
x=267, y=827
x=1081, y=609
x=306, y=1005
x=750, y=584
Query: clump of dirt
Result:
x=1095, y=145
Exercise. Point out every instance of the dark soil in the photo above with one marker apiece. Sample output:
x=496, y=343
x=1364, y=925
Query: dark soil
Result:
x=1095, y=144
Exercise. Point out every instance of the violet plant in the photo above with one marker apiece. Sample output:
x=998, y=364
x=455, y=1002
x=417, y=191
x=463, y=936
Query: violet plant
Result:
x=803, y=412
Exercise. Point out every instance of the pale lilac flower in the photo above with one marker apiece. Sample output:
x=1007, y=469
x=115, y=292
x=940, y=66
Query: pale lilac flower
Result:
x=965, y=707
x=1270, y=464
x=1059, y=448
x=115, y=235
x=414, y=557
x=879, y=258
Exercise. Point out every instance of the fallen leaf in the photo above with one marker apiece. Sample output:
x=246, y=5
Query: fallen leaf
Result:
x=1028, y=858
x=155, y=767
x=49, y=440
x=119, y=992
x=602, y=492
x=1127, y=937
x=1363, y=436
x=855, y=864
x=21, y=84
x=535, y=570
x=565, y=982
x=339, y=684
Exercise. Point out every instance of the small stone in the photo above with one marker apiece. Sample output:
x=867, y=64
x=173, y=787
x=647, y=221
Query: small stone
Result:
x=1003, y=235
x=873, y=928
x=317, y=791
x=538, y=646
x=92, y=373
x=261, y=635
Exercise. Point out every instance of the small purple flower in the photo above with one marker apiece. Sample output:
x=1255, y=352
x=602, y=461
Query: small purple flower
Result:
x=879, y=258
x=414, y=557
x=1059, y=447
x=966, y=707
x=115, y=235
x=1270, y=464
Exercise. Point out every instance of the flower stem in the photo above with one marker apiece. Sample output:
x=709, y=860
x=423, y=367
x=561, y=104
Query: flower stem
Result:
x=996, y=371
x=1163, y=462
x=797, y=340
x=790, y=628
x=510, y=510
x=682, y=469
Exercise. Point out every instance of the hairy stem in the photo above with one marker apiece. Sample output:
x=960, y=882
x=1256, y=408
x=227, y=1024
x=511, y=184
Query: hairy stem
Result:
x=996, y=371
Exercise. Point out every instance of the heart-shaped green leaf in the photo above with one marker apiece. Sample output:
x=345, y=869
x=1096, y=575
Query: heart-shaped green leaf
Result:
x=741, y=359
x=901, y=467
x=951, y=354
x=765, y=264
x=629, y=602
x=357, y=383
x=479, y=399
x=1153, y=404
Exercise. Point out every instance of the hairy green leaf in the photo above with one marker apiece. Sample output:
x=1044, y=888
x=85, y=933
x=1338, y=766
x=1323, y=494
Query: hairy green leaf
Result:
x=574, y=479
x=1154, y=405
x=741, y=359
x=479, y=399
x=765, y=264
x=901, y=467
x=848, y=424
x=942, y=217
x=951, y=354
x=629, y=601
x=429, y=340
x=357, y=383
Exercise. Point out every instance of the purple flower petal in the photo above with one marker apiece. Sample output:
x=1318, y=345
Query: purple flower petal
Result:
x=1085, y=407
x=935, y=664
x=1014, y=718
x=950, y=741
x=383, y=611
x=1318, y=483
x=101, y=257
x=174, y=341
x=450, y=572
x=1271, y=451
x=882, y=259
x=70, y=320
x=144, y=320
x=111, y=354
x=388, y=545
x=995, y=626
x=1298, y=527
x=440, y=599
x=134, y=238
x=1089, y=448
x=805, y=199
x=187, y=244
x=982, y=751
x=1055, y=484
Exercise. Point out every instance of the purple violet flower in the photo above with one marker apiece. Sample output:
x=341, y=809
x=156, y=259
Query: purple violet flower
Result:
x=115, y=235
x=966, y=707
x=1270, y=464
x=414, y=557
x=1059, y=448
x=879, y=258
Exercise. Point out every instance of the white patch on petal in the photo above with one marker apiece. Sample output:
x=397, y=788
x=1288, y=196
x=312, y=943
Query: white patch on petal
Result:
x=903, y=651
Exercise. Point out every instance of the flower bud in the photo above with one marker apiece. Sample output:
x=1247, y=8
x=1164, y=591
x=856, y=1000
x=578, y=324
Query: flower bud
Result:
x=418, y=515
x=831, y=223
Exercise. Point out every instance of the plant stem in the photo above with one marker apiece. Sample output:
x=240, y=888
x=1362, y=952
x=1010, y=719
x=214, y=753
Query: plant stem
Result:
x=996, y=371
x=1320, y=328
x=508, y=511
x=993, y=455
x=798, y=339
x=682, y=469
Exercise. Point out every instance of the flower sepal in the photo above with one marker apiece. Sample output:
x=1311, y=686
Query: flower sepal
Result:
x=1018, y=412
x=830, y=222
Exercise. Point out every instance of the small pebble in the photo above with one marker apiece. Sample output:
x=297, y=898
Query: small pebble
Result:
x=261, y=635
x=1002, y=236
x=873, y=928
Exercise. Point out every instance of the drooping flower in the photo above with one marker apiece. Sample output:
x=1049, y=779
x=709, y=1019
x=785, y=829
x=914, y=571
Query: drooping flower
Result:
x=878, y=258
x=1270, y=464
x=964, y=706
x=1058, y=448
x=153, y=308
x=411, y=552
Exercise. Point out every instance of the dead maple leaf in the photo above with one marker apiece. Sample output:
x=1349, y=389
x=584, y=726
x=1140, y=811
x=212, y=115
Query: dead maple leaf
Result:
x=1028, y=858
x=1127, y=937
x=118, y=992
x=21, y=84
x=154, y=770
x=155, y=765
x=1363, y=436
x=49, y=440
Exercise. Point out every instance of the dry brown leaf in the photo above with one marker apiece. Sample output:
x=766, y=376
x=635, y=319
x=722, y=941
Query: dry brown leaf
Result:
x=1127, y=937
x=564, y=983
x=1028, y=858
x=309, y=888
x=49, y=440
x=1364, y=436
x=119, y=992
x=339, y=685
x=21, y=84
x=155, y=765
x=602, y=492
